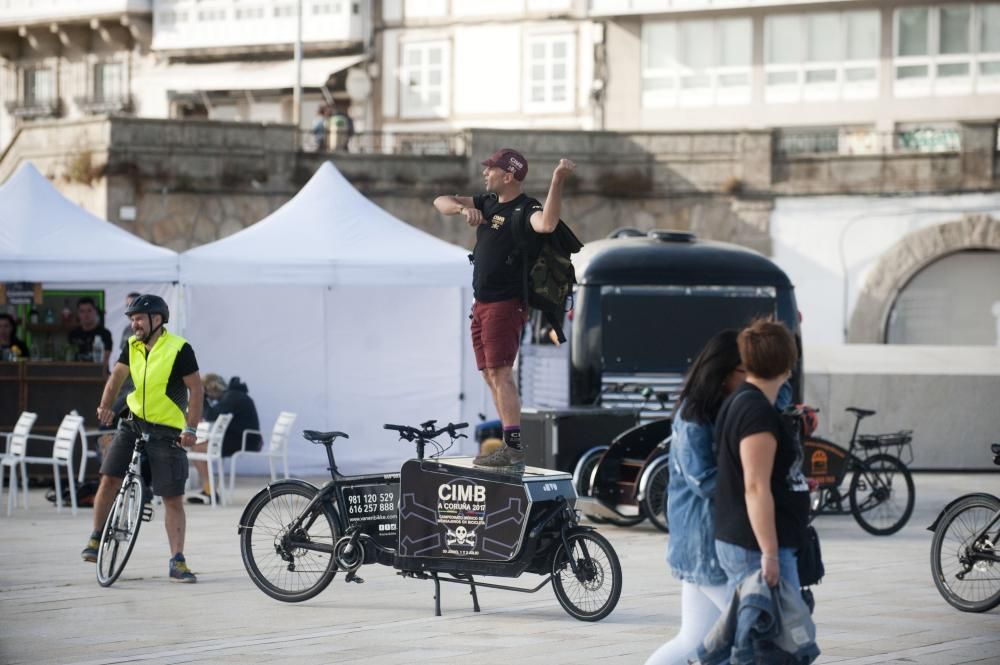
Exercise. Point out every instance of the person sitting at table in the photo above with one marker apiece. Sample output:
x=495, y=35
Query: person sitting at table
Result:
x=10, y=345
x=82, y=337
x=221, y=398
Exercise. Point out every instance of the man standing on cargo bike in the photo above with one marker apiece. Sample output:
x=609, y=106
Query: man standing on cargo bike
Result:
x=499, y=311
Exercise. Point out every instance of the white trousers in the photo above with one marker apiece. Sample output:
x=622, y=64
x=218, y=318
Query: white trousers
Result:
x=701, y=607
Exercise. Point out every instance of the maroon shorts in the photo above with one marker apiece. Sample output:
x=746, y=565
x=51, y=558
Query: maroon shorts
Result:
x=496, y=332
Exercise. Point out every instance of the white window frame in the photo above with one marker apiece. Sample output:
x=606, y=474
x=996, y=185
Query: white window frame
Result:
x=31, y=97
x=548, y=104
x=838, y=89
x=442, y=110
x=100, y=89
x=714, y=94
x=942, y=86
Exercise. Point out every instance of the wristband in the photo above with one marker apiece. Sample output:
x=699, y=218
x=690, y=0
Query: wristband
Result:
x=768, y=556
x=461, y=210
x=190, y=430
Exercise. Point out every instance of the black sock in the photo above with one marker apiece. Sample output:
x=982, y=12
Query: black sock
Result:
x=512, y=436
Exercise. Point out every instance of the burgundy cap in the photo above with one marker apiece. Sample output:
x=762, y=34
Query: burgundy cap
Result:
x=510, y=160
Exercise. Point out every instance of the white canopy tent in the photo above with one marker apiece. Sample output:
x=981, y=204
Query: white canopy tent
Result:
x=334, y=309
x=44, y=237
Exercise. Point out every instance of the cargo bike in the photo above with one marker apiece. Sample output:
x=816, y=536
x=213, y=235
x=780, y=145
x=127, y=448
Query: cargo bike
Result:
x=440, y=519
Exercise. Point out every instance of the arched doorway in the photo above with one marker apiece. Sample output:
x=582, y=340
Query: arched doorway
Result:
x=900, y=267
x=953, y=301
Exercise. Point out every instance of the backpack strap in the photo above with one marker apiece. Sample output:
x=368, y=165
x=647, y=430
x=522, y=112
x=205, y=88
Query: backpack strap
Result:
x=518, y=220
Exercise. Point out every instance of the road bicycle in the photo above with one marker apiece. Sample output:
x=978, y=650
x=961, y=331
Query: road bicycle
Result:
x=129, y=510
x=880, y=493
x=964, y=561
x=440, y=519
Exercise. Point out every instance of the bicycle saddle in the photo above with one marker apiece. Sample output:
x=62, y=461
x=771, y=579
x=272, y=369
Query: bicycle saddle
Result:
x=322, y=437
x=861, y=413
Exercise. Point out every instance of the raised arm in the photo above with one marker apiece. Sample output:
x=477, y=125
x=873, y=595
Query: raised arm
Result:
x=547, y=219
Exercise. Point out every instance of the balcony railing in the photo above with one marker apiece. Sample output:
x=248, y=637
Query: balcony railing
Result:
x=34, y=108
x=868, y=142
x=104, y=104
x=383, y=143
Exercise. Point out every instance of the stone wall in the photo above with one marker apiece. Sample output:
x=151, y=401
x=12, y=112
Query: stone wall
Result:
x=192, y=182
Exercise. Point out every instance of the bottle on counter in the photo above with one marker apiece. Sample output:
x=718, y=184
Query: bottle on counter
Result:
x=98, y=350
x=67, y=313
x=33, y=317
x=50, y=316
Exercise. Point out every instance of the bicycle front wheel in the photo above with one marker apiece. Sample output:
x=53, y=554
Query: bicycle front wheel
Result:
x=276, y=548
x=655, y=501
x=591, y=592
x=121, y=530
x=967, y=582
x=881, y=494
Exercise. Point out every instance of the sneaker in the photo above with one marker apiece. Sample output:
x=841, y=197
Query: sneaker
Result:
x=505, y=459
x=179, y=572
x=89, y=552
x=204, y=498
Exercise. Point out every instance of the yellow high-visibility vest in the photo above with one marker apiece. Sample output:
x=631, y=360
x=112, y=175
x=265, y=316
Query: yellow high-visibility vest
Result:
x=150, y=374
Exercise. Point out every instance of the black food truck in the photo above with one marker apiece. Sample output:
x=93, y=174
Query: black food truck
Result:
x=644, y=306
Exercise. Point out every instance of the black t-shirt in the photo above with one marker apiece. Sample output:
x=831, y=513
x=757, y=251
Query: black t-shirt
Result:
x=184, y=365
x=237, y=402
x=744, y=413
x=83, y=341
x=497, y=274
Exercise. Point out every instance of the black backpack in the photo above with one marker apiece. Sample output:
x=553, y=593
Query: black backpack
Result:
x=546, y=269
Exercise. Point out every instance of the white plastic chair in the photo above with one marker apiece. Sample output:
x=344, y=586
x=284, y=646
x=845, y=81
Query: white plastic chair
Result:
x=277, y=448
x=213, y=455
x=16, y=449
x=85, y=447
x=63, y=444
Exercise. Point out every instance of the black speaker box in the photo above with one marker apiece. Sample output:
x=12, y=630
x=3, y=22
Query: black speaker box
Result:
x=556, y=438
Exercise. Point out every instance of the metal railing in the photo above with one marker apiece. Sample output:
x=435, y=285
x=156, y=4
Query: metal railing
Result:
x=867, y=142
x=383, y=143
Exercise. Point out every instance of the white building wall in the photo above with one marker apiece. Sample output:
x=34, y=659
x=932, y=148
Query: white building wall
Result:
x=829, y=244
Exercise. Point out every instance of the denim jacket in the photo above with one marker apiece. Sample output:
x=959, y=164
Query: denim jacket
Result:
x=762, y=626
x=690, y=495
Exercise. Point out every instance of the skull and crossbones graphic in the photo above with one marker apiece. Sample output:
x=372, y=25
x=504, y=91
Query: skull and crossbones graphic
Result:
x=461, y=536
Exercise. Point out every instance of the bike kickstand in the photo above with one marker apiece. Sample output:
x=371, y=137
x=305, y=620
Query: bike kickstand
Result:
x=472, y=591
x=437, y=594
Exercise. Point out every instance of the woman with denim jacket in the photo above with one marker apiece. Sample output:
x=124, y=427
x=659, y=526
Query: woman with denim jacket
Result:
x=715, y=373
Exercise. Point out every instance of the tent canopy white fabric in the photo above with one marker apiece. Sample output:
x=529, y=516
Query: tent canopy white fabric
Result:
x=335, y=310
x=328, y=234
x=44, y=237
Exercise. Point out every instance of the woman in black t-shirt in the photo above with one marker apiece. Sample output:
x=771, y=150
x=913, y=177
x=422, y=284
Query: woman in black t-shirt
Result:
x=762, y=504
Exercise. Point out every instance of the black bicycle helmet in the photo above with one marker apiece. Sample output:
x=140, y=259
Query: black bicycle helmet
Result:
x=149, y=304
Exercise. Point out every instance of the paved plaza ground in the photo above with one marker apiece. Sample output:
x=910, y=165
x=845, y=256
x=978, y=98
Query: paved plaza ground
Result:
x=878, y=603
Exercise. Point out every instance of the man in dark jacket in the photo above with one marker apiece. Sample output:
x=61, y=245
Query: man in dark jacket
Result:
x=233, y=398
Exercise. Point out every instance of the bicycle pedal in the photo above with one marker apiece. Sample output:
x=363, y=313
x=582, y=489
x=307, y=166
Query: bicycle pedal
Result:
x=147, y=513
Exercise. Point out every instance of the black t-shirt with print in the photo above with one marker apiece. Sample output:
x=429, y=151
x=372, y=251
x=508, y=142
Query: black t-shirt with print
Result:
x=496, y=274
x=744, y=413
x=184, y=365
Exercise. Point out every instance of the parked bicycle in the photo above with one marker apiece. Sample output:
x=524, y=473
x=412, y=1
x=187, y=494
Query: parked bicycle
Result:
x=964, y=559
x=437, y=516
x=128, y=512
x=880, y=493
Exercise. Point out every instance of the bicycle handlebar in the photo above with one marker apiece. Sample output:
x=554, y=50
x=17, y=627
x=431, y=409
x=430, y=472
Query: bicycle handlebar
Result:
x=427, y=431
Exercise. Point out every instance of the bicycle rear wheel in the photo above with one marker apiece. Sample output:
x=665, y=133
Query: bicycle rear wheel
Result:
x=655, y=501
x=591, y=593
x=968, y=584
x=272, y=547
x=881, y=494
x=121, y=530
